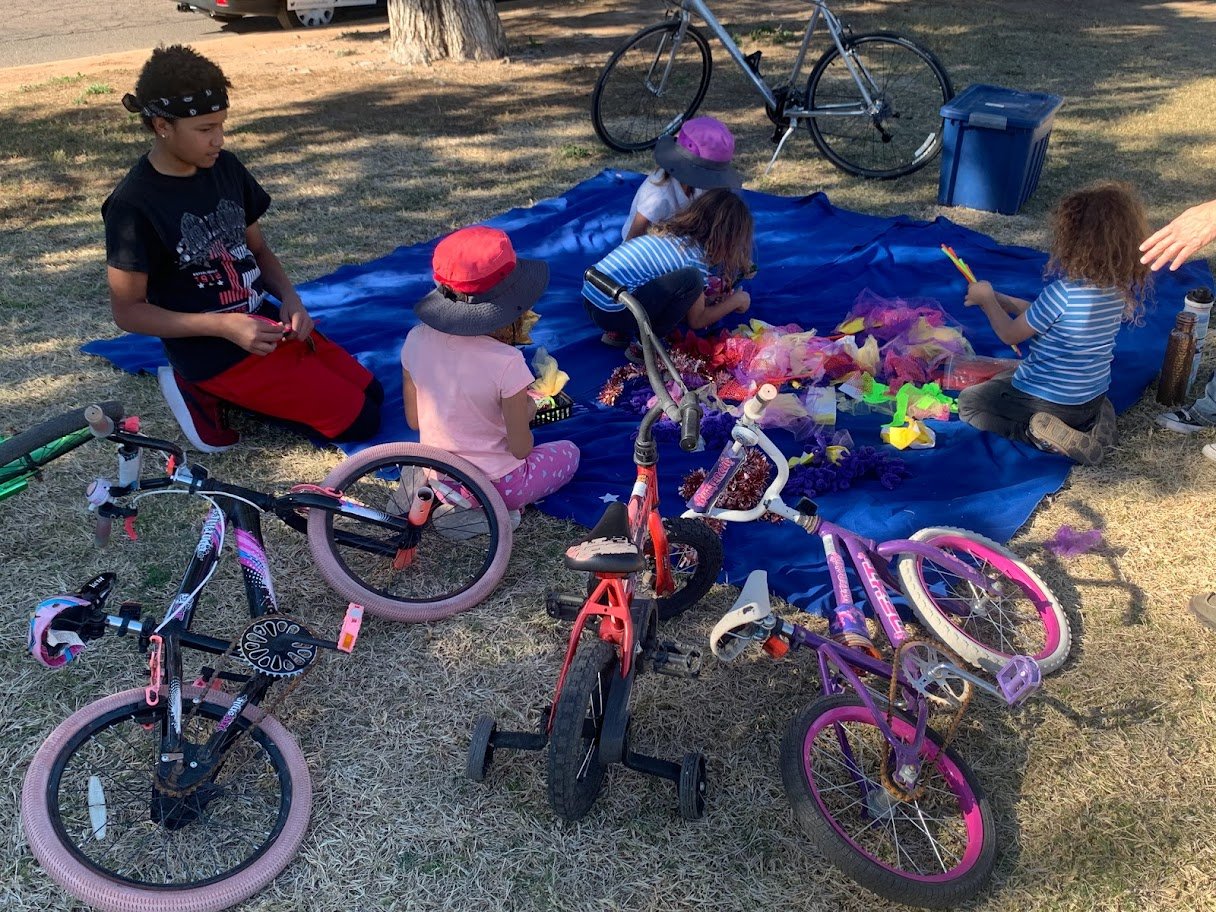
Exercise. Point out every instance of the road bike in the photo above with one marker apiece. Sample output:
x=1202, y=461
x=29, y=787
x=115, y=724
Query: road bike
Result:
x=884, y=796
x=871, y=102
x=642, y=569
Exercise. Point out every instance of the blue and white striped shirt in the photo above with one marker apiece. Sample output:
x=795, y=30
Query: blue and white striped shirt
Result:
x=1069, y=360
x=642, y=259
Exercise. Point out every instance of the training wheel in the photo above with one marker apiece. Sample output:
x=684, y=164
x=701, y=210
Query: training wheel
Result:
x=481, y=751
x=693, y=787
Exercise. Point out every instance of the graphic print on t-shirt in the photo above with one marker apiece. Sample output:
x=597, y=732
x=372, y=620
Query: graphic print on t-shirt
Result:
x=214, y=252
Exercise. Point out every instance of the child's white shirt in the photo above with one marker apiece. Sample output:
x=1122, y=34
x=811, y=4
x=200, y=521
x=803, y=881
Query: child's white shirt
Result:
x=657, y=201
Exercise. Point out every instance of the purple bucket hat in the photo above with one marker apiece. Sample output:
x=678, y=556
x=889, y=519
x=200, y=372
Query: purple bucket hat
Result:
x=700, y=155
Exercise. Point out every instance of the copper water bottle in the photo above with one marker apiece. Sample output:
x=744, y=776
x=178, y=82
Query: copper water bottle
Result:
x=1176, y=366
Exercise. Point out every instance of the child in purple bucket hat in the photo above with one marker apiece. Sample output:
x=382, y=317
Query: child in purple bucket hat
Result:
x=695, y=160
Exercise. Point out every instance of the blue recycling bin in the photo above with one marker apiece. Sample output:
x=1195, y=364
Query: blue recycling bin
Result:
x=994, y=143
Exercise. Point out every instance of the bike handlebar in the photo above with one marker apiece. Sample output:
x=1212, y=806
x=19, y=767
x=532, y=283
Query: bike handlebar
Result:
x=655, y=359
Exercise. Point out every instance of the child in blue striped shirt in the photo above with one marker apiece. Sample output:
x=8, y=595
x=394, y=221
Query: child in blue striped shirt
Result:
x=669, y=269
x=1056, y=398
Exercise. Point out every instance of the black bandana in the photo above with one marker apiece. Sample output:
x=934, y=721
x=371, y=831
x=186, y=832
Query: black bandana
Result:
x=208, y=101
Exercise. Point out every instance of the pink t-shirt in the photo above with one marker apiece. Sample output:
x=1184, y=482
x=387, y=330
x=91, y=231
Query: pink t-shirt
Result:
x=461, y=382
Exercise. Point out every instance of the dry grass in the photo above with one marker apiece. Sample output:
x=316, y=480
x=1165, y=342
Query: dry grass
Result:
x=1102, y=790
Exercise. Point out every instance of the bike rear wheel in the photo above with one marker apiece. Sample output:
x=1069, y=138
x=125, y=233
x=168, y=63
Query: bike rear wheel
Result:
x=576, y=772
x=1022, y=618
x=935, y=851
x=908, y=87
x=101, y=829
x=462, y=550
x=650, y=86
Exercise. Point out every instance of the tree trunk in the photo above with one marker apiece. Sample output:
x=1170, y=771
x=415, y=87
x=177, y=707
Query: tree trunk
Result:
x=426, y=30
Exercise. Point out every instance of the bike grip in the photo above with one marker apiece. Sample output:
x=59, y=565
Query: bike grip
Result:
x=101, y=424
x=754, y=407
x=690, y=426
x=598, y=280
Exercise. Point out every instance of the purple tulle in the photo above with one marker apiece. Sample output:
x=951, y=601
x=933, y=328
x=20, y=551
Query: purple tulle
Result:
x=822, y=476
x=1068, y=542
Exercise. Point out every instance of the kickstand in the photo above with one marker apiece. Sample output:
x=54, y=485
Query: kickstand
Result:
x=789, y=131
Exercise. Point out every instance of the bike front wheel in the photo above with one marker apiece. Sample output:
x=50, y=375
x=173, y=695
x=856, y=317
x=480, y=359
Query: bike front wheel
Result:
x=935, y=851
x=103, y=830
x=576, y=770
x=459, y=553
x=694, y=553
x=900, y=130
x=652, y=84
x=1021, y=617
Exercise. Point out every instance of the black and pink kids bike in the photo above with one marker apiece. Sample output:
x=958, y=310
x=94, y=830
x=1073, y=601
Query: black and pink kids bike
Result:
x=642, y=569
x=188, y=793
x=884, y=796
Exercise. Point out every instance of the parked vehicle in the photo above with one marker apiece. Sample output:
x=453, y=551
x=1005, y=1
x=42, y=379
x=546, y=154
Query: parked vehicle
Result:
x=290, y=13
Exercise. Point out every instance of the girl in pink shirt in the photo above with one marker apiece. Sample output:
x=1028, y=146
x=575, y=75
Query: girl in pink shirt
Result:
x=466, y=385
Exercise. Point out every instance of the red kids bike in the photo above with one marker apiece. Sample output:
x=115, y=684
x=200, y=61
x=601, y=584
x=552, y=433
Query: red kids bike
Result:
x=586, y=726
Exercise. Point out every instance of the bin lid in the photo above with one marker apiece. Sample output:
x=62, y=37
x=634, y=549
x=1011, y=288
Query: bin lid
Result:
x=999, y=108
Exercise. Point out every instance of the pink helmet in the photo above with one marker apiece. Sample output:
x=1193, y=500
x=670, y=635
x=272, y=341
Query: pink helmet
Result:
x=66, y=645
x=700, y=155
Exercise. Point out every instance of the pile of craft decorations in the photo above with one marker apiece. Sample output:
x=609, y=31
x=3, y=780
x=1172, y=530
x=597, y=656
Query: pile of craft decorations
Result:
x=882, y=346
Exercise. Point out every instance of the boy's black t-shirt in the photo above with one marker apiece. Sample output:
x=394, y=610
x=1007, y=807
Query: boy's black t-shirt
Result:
x=188, y=235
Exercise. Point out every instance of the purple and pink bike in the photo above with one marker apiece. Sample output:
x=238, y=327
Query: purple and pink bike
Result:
x=884, y=796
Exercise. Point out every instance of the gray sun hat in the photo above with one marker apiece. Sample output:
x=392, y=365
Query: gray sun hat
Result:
x=481, y=285
x=700, y=155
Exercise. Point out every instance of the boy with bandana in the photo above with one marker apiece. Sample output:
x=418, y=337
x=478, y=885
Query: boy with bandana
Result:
x=187, y=262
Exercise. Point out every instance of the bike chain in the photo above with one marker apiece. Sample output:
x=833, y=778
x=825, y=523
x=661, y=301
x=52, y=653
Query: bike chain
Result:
x=892, y=787
x=266, y=710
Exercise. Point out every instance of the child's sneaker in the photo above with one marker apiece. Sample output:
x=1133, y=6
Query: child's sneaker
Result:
x=616, y=340
x=197, y=412
x=634, y=354
x=1185, y=420
x=1203, y=606
x=1209, y=450
x=1051, y=434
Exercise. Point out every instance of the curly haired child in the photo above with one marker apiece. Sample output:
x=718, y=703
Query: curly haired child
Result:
x=466, y=385
x=669, y=269
x=1056, y=397
x=697, y=159
x=187, y=262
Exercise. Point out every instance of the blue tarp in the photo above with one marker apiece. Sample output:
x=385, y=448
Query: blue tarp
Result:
x=814, y=261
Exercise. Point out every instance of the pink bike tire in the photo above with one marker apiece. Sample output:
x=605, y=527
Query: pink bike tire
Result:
x=409, y=610
x=111, y=895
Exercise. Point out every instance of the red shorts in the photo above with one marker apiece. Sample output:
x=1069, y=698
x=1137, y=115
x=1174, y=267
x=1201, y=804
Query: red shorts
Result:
x=323, y=389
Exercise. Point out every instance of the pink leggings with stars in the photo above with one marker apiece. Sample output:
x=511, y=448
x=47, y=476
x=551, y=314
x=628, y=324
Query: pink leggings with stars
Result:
x=547, y=468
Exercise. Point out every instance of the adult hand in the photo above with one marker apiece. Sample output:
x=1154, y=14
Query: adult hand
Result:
x=979, y=294
x=1176, y=242
x=299, y=324
x=257, y=335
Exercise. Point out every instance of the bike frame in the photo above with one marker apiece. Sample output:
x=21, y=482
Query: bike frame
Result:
x=820, y=11
x=871, y=563
x=238, y=510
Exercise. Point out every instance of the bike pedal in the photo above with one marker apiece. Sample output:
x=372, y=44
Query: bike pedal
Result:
x=564, y=606
x=674, y=660
x=1019, y=678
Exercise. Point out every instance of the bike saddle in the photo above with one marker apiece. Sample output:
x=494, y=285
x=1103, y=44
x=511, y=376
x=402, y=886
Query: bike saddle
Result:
x=608, y=548
x=740, y=626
